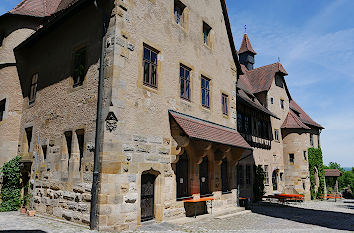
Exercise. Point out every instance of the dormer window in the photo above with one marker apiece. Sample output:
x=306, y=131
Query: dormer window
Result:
x=179, y=12
x=206, y=34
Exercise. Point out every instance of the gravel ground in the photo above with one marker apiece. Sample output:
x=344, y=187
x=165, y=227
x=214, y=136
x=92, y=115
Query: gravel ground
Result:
x=312, y=216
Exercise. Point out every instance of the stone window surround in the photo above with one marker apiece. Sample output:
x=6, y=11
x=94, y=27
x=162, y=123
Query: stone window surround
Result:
x=6, y=108
x=206, y=106
x=157, y=52
x=188, y=98
x=181, y=5
x=225, y=99
x=207, y=29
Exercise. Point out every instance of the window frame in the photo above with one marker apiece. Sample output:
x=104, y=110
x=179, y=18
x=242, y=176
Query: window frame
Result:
x=186, y=82
x=78, y=80
x=205, y=89
x=181, y=6
x=266, y=175
x=291, y=158
x=206, y=34
x=276, y=135
x=151, y=64
x=282, y=106
x=225, y=104
x=2, y=109
x=33, y=88
x=311, y=139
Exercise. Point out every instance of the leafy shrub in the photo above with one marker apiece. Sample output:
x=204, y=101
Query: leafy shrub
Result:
x=10, y=191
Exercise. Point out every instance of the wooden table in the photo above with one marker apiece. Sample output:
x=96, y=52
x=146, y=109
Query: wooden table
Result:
x=203, y=199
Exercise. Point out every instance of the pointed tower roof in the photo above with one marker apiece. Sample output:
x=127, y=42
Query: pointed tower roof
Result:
x=293, y=122
x=246, y=45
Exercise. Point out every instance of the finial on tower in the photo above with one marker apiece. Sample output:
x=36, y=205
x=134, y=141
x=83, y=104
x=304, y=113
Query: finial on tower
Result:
x=245, y=28
x=279, y=59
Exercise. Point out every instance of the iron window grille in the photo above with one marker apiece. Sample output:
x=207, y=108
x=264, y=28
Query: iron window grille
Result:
x=185, y=82
x=150, y=67
x=205, y=84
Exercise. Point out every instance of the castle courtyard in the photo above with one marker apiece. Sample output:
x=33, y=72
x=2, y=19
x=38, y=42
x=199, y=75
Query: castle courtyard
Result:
x=310, y=216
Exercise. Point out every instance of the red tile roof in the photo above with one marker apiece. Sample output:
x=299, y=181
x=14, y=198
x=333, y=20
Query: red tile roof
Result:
x=246, y=45
x=209, y=131
x=41, y=8
x=332, y=172
x=303, y=115
x=293, y=122
x=261, y=78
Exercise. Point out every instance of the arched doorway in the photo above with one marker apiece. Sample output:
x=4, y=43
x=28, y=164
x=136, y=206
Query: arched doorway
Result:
x=275, y=180
x=204, y=177
x=147, y=197
x=182, y=171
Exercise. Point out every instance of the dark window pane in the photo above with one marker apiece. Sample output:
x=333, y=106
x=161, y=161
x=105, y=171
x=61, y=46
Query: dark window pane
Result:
x=203, y=83
x=146, y=54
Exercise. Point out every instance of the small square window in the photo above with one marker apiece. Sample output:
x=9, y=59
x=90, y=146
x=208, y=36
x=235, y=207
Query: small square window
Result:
x=206, y=34
x=33, y=89
x=150, y=67
x=2, y=109
x=179, y=12
x=205, y=85
x=79, y=67
x=291, y=158
x=184, y=74
x=224, y=100
x=282, y=104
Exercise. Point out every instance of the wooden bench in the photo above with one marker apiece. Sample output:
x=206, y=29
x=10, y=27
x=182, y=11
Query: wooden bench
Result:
x=331, y=196
x=286, y=197
x=202, y=199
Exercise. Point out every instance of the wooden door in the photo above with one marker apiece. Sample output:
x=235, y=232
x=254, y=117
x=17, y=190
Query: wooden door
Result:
x=182, y=176
x=147, y=197
x=204, y=177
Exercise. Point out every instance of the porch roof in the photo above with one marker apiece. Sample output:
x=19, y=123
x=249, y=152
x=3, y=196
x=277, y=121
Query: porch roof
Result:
x=205, y=130
x=332, y=172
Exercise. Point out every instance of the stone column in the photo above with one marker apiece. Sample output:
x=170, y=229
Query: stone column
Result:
x=64, y=159
x=74, y=162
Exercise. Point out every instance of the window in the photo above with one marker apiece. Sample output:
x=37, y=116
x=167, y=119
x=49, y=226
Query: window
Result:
x=182, y=177
x=281, y=176
x=318, y=141
x=282, y=104
x=224, y=100
x=276, y=135
x=68, y=138
x=271, y=100
x=240, y=174
x=224, y=177
x=150, y=67
x=205, y=92
x=303, y=184
x=279, y=81
x=2, y=109
x=80, y=133
x=305, y=157
x=266, y=176
x=248, y=174
x=240, y=122
x=247, y=125
x=44, y=149
x=179, y=12
x=29, y=137
x=33, y=90
x=206, y=34
x=184, y=75
x=2, y=36
x=79, y=67
x=311, y=139
x=291, y=158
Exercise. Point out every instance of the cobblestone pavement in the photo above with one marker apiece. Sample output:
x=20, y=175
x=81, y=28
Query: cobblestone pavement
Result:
x=312, y=216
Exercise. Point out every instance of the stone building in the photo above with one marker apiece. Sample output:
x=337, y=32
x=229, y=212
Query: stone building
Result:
x=169, y=109
x=14, y=28
x=275, y=126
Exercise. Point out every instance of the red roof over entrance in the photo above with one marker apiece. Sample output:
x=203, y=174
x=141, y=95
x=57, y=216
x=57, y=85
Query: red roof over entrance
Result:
x=209, y=131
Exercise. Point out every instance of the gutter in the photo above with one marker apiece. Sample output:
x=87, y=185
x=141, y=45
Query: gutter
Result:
x=99, y=128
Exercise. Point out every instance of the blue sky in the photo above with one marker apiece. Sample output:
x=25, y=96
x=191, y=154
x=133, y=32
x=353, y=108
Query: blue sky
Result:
x=315, y=42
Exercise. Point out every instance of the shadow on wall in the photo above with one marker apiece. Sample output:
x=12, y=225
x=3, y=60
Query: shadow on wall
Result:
x=329, y=219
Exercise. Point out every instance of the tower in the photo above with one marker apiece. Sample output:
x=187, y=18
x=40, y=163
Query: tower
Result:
x=246, y=52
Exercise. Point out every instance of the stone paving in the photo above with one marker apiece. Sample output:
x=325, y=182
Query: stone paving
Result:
x=312, y=216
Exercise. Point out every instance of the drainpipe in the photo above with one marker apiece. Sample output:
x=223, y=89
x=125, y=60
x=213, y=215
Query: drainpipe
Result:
x=99, y=128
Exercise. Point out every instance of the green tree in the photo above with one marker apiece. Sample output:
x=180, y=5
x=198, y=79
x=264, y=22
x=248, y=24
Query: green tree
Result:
x=10, y=191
